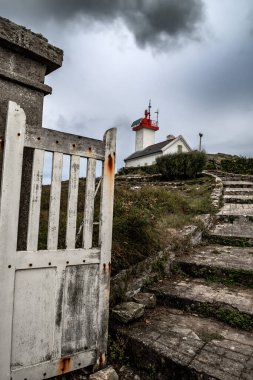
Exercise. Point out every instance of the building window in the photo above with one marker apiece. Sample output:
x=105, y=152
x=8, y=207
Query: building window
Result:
x=179, y=149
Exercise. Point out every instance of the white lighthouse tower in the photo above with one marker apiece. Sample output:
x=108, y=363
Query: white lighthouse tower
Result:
x=145, y=129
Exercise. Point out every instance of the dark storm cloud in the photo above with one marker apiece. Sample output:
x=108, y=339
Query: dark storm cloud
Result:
x=152, y=22
x=230, y=79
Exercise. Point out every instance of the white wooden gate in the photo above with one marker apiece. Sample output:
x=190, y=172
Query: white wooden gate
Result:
x=54, y=303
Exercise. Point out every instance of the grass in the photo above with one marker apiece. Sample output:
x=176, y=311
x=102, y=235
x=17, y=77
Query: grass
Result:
x=232, y=317
x=225, y=276
x=143, y=217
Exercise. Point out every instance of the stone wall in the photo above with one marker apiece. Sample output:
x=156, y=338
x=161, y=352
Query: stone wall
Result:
x=25, y=59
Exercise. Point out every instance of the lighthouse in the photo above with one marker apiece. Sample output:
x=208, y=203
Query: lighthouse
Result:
x=145, y=129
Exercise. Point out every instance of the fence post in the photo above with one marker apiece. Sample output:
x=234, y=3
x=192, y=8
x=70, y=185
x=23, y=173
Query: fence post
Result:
x=106, y=219
x=9, y=211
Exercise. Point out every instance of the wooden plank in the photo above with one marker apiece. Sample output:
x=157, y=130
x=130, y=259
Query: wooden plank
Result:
x=89, y=203
x=72, y=201
x=55, y=141
x=100, y=206
x=35, y=200
x=55, y=367
x=55, y=199
x=43, y=259
x=106, y=243
x=33, y=304
x=80, y=309
x=9, y=211
x=59, y=302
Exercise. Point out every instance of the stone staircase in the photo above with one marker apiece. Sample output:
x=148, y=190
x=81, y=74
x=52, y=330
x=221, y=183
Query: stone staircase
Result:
x=202, y=327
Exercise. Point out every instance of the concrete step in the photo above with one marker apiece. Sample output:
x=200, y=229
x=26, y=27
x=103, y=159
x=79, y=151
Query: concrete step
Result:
x=241, y=184
x=231, y=305
x=221, y=264
x=172, y=344
x=234, y=209
x=238, y=191
x=236, y=234
x=242, y=199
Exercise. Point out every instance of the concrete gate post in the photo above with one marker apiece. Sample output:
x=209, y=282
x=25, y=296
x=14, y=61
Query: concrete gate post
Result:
x=25, y=59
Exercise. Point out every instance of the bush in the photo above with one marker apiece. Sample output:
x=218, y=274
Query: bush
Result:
x=181, y=165
x=140, y=170
x=238, y=165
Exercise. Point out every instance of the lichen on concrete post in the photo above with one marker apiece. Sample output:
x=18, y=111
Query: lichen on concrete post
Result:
x=25, y=59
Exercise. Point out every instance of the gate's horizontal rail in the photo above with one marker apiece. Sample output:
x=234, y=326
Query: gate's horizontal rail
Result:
x=49, y=369
x=44, y=259
x=66, y=143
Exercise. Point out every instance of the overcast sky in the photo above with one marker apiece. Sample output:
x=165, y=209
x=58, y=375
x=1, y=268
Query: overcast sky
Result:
x=193, y=58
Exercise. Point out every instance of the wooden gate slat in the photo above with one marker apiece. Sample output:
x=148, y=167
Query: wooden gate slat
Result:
x=89, y=203
x=55, y=199
x=66, y=143
x=106, y=218
x=9, y=211
x=72, y=201
x=59, y=257
x=53, y=368
x=35, y=200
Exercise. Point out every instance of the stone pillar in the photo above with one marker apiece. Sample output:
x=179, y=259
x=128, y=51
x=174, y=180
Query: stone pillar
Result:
x=25, y=59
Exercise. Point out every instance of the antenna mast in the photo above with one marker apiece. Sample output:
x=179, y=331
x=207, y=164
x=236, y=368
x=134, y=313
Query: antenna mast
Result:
x=149, y=109
x=157, y=117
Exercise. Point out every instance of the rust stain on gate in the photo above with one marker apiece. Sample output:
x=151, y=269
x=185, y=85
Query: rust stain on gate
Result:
x=65, y=365
x=110, y=165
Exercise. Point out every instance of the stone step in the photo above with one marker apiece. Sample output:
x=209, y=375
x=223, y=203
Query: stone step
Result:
x=234, y=209
x=241, y=199
x=241, y=184
x=231, y=305
x=238, y=191
x=223, y=218
x=172, y=344
x=236, y=234
x=240, y=178
x=222, y=264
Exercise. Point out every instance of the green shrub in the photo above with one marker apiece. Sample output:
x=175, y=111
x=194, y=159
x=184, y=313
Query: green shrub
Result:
x=238, y=165
x=181, y=165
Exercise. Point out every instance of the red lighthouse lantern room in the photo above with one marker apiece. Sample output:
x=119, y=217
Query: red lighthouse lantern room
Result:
x=146, y=122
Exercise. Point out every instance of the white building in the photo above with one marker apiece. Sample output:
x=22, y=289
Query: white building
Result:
x=146, y=151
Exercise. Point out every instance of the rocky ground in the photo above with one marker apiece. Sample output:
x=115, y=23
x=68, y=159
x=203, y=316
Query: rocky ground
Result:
x=202, y=326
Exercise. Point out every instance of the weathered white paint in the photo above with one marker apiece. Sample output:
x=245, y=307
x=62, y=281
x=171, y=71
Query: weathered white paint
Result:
x=33, y=320
x=56, y=258
x=55, y=198
x=89, y=203
x=9, y=210
x=54, y=307
x=144, y=137
x=35, y=199
x=72, y=201
x=80, y=309
x=66, y=143
x=48, y=369
x=107, y=196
